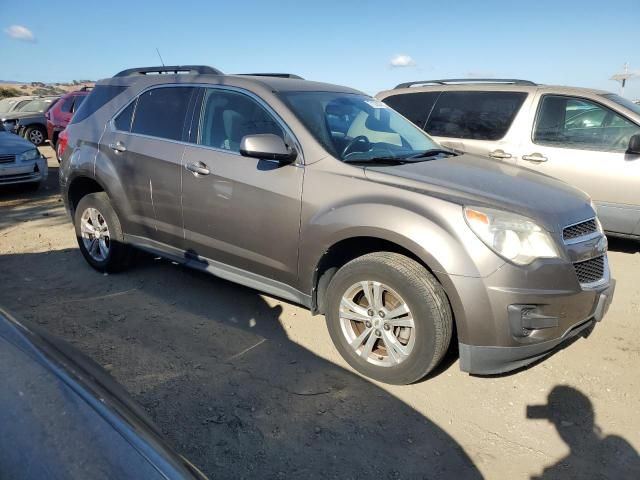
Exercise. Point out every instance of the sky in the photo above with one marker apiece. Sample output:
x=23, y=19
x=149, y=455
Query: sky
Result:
x=369, y=45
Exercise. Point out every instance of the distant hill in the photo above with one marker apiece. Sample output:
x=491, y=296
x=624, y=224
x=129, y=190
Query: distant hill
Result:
x=14, y=89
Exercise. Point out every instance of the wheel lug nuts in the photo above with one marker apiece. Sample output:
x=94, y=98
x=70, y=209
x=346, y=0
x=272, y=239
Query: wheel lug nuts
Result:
x=381, y=314
x=370, y=313
x=387, y=326
x=378, y=333
x=368, y=324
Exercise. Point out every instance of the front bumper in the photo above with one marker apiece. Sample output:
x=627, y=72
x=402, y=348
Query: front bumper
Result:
x=24, y=172
x=486, y=360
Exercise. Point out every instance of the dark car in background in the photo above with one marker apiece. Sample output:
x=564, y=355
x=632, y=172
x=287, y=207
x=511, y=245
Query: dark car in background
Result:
x=59, y=116
x=29, y=120
x=63, y=417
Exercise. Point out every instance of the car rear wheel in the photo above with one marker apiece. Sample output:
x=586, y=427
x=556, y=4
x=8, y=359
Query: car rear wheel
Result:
x=36, y=135
x=99, y=234
x=388, y=317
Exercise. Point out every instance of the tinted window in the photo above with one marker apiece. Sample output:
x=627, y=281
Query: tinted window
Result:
x=161, y=112
x=415, y=106
x=77, y=101
x=474, y=115
x=578, y=123
x=100, y=95
x=67, y=105
x=228, y=116
x=634, y=107
x=123, y=121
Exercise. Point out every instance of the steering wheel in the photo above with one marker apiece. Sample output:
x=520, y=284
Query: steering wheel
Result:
x=359, y=139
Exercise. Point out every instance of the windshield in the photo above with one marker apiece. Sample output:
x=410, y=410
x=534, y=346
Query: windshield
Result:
x=357, y=127
x=628, y=104
x=38, y=105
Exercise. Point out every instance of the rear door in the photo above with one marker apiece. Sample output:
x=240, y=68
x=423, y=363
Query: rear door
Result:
x=242, y=212
x=146, y=144
x=477, y=122
x=584, y=143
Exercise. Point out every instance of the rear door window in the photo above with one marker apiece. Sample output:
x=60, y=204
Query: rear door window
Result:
x=77, y=101
x=474, y=115
x=161, y=112
x=67, y=106
x=99, y=96
x=414, y=106
x=570, y=122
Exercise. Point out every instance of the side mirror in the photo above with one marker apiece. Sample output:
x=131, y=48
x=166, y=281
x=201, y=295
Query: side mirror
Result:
x=634, y=144
x=267, y=146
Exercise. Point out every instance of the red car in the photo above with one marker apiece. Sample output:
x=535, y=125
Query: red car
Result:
x=59, y=116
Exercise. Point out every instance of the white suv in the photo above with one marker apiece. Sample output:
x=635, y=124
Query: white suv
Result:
x=588, y=138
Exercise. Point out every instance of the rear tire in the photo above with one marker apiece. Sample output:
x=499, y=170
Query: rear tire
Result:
x=99, y=234
x=409, y=324
x=36, y=135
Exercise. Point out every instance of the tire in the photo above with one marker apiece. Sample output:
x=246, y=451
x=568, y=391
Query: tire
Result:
x=36, y=135
x=405, y=283
x=96, y=208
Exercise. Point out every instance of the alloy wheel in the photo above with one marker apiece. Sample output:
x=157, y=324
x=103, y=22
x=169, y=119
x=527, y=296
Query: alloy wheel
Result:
x=95, y=234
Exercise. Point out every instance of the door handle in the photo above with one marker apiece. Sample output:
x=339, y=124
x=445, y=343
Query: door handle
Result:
x=535, y=158
x=499, y=154
x=118, y=147
x=198, y=168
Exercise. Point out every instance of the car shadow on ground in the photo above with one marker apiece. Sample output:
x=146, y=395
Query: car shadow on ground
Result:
x=624, y=245
x=592, y=454
x=213, y=365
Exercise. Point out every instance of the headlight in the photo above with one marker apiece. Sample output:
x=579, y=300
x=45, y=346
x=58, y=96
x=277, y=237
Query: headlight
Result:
x=32, y=154
x=514, y=237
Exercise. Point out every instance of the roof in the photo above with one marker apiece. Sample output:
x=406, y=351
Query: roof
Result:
x=497, y=87
x=194, y=74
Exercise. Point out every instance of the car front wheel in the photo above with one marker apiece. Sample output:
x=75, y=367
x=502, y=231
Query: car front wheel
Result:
x=36, y=135
x=389, y=317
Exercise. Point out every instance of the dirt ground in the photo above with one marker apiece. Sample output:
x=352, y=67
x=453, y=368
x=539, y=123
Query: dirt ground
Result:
x=249, y=386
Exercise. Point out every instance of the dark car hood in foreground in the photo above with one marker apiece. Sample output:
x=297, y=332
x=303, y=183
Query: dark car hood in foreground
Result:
x=13, y=144
x=63, y=417
x=475, y=181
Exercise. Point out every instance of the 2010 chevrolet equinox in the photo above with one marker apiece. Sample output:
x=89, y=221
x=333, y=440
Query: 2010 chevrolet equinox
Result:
x=324, y=196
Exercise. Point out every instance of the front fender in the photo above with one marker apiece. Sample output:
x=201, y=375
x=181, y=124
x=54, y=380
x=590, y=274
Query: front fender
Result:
x=436, y=234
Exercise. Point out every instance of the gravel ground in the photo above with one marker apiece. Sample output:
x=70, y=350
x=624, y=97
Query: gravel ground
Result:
x=249, y=386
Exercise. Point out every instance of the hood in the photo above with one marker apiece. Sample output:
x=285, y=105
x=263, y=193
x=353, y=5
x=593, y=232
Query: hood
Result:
x=475, y=181
x=20, y=115
x=10, y=143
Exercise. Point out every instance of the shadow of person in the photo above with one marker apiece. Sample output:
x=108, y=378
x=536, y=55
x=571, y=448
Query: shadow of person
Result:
x=592, y=455
x=222, y=376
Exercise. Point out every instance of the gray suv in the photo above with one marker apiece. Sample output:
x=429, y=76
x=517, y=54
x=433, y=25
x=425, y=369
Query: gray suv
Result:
x=326, y=197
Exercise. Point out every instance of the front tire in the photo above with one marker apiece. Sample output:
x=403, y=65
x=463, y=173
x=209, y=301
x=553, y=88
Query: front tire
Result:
x=389, y=317
x=99, y=234
x=36, y=135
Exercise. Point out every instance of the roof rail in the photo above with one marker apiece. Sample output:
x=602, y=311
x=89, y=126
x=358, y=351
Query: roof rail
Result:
x=191, y=69
x=447, y=81
x=279, y=75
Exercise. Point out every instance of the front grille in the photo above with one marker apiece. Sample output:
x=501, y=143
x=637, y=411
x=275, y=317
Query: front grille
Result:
x=580, y=229
x=7, y=158
x=590, y=271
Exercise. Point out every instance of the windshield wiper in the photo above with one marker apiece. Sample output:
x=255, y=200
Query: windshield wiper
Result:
x=433, y=152
x=386, y=160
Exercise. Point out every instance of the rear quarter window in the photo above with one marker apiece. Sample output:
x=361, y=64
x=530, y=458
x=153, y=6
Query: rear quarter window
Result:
x=414, y=106
x=474, y=115
x=99, y=96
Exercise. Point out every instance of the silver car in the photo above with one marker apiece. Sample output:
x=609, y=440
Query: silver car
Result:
x=20, y=161
x=588, y=138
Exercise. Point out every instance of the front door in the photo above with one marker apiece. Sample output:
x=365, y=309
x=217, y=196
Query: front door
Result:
x=584, y=143
x=242, y=212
